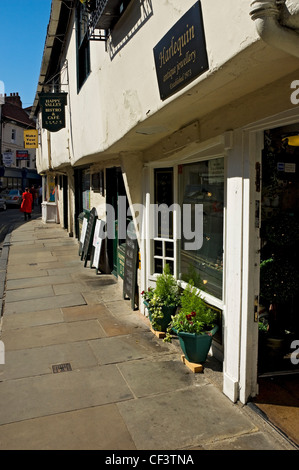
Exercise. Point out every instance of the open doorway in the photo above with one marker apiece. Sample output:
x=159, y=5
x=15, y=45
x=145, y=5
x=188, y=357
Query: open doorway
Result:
x=279, y=270
x=115, y=188
x=278, y=356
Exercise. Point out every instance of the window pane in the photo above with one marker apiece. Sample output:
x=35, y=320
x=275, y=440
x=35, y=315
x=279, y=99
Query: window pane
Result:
x=170, y=264
x=164, y=199
x=158, y=251
x=169, y=250
x=203, y=183
x=158, y=266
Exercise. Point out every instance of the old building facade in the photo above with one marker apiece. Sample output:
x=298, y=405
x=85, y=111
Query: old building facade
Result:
x=187, y=104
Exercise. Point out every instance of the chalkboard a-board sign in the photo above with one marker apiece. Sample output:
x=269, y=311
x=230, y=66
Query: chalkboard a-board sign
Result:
x=97, y=244
x=130, y=268
x=89, y=236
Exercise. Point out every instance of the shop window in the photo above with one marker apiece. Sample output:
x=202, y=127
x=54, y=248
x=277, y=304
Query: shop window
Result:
x=203, y=183
x=163, y=242
x=83, y=52
x=97, y=182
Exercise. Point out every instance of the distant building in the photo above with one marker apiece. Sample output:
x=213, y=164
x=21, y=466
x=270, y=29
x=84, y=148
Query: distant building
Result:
x=184, y=105
x=18, y=164
x=15, y=119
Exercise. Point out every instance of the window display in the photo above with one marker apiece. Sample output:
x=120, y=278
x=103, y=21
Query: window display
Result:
x=203, y=183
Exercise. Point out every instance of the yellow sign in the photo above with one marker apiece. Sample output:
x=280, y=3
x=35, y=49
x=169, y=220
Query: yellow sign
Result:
x=31, y=139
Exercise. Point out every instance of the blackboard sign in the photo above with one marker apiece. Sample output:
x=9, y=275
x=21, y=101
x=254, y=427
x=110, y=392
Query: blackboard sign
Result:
x=130, y=268
x=86, y=250
x=97, y=244
x=181, y=55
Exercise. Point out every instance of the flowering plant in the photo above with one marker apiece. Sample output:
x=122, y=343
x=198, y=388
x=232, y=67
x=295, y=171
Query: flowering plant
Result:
x=147, y=295
x=194, y=315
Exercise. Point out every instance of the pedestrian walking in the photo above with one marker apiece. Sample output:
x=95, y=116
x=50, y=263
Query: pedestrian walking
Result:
x=40, y=197
x=26, y=206
x=34, y=195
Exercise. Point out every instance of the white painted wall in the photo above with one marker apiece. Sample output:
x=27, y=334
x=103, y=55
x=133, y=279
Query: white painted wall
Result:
x=122, y=91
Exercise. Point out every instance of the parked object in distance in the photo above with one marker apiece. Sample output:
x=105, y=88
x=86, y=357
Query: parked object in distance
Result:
x=13, y=198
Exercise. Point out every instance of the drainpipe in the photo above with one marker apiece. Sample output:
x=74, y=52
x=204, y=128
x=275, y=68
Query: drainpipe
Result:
x=275, y=23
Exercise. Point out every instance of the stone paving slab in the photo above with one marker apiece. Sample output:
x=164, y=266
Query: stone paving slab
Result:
x=18, y=259
x=150, y=377
x=66, y=288
x=186, y=417
x=59, y=270
x=94, y=430
x=57, y=393
x=38, y=361
x=22, y=283
x=120, y=349
x=23, y=272
x=58, y=301
x=29, y=319
x=28, y=293
x=84, y=312
x=46, y=335
x=111, y=324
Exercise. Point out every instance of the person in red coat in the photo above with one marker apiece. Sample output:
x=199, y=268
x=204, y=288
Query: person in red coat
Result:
x=26, y=205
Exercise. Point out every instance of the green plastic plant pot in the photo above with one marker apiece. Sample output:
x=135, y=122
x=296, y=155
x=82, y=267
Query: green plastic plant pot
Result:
x=196, y=347
x=162, y=322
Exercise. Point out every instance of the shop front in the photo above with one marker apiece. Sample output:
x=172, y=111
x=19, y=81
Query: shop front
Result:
x=185, y=207
x=231, y=226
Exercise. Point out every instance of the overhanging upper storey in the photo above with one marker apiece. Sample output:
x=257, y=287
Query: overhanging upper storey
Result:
x=103, y=15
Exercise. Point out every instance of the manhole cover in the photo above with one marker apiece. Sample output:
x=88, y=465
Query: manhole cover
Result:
x=61, y=368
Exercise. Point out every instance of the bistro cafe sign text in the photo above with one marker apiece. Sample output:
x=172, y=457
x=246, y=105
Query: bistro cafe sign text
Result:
x=53, y=110
x=181, y=54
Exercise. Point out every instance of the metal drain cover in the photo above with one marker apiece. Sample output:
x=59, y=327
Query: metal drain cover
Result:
x=61, y=368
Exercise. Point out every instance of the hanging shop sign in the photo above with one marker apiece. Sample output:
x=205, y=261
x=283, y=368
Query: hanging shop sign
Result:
x=181, y=55
x=30, y=139
x=53, y=110
x=7, y=158
x=22, y=154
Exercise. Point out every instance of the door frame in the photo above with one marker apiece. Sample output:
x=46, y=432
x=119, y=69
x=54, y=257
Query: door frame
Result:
x=253, y=144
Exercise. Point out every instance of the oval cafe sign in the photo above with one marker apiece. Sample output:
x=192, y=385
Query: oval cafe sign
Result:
x=53, y=110
x=181, y=56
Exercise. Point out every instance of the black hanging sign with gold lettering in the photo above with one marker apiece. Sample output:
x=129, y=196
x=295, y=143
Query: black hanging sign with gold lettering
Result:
x=181, y=55
x=53, y=110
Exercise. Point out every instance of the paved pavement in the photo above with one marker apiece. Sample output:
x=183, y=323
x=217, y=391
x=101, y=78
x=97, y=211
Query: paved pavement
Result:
x=115, y=385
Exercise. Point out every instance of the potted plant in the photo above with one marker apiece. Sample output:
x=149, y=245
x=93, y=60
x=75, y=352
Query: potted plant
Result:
x=163, y=300
x=195, y=325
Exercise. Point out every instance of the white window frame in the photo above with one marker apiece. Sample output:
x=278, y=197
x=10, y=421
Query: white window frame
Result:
x=208, y=150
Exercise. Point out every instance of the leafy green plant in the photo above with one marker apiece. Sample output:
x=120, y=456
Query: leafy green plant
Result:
x=167, y=289
x=166, y=293
x=194, y=315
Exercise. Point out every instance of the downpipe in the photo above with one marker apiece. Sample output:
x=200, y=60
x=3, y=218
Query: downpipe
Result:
x=277, y=23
